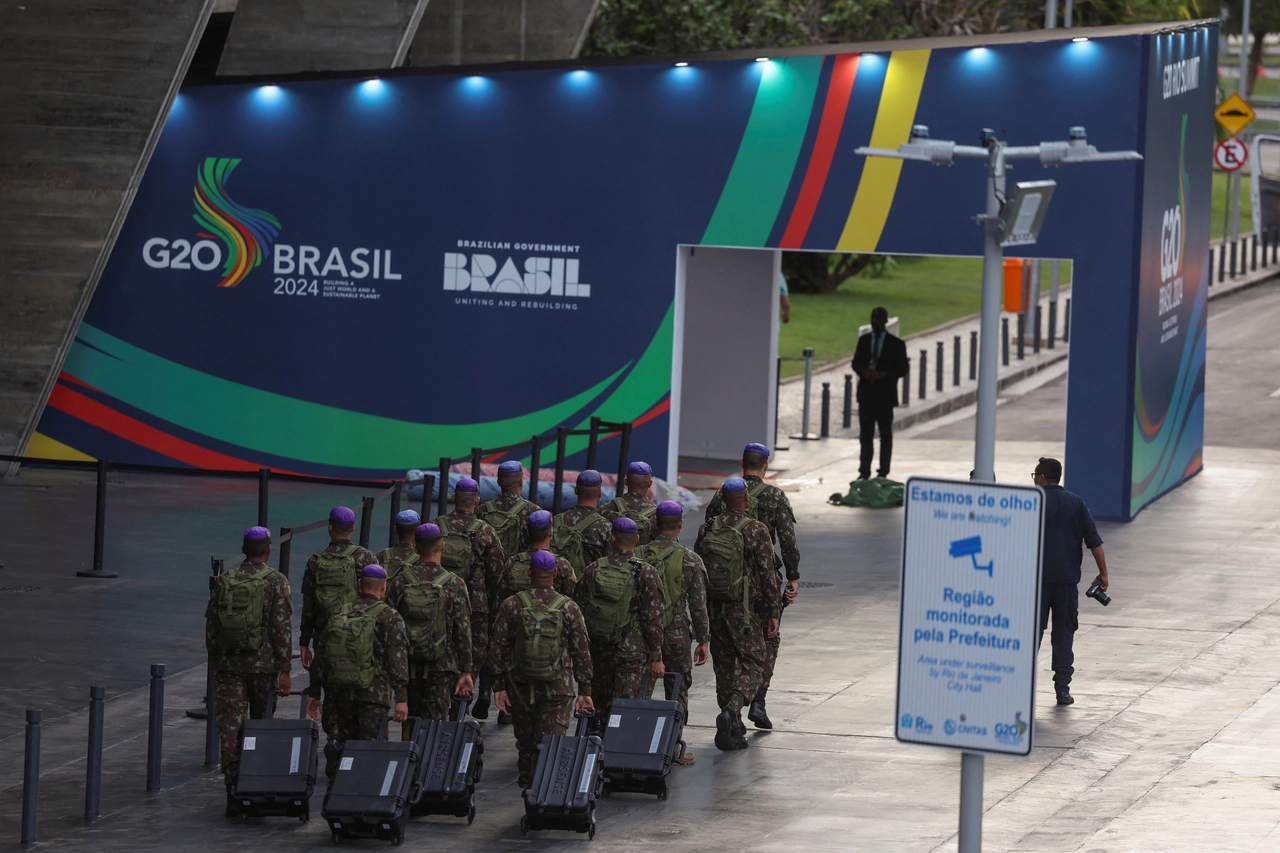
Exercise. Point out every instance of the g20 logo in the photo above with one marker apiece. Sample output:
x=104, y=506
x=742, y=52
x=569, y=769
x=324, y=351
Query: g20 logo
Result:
x=1171, y=243
x=160, y=254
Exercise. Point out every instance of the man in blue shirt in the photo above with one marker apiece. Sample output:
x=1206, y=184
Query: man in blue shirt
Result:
x=1067, y=525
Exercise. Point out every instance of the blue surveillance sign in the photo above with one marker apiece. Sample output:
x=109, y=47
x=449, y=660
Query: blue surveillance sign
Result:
x=969, y=616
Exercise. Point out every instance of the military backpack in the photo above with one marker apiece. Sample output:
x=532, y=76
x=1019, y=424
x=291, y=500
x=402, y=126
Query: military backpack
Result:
x=426, y=618
x=394, y=565
x=606, y=604
x=459, y=548
x=669, y=562
x=643, y=517
x=721, y=550
x=539, y=650
x=508, y=523
x=239, y=607
x=347, y=647
x=335, y=580
x=567, y=540
x=518, y=574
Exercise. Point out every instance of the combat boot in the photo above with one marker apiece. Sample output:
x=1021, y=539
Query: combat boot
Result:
x=757, y=713
x=233, y=807
x=739, y=733
x=332, y=752
x=724, y=731
x=504, y=719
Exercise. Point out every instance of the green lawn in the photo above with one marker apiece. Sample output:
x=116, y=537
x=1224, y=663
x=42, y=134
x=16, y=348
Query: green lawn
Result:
x=922, y=292
x=1220, y=203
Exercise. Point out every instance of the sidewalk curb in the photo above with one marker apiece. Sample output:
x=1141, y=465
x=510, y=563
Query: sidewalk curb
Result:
x=967, y=398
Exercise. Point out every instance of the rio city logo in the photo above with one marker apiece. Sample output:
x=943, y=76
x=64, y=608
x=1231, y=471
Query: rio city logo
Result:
x=1011, y=733
x=246, y=234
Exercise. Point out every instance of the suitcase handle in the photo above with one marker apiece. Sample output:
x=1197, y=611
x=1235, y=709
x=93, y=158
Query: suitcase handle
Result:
x=464, y=704
x=583, y=720
x=675, y=691
x=386, y=723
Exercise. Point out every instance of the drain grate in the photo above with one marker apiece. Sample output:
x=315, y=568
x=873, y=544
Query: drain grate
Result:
x=19, y=589
x=814, y=585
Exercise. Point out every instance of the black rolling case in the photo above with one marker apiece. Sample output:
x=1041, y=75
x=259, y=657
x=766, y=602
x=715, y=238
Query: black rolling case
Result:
x=277, y=768
x=566, y=782
x=642, y=739
x=372, y=791
x=451, y=765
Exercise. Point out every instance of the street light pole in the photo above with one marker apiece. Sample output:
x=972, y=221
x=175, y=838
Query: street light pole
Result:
x=1240, y=90
x=984, y=443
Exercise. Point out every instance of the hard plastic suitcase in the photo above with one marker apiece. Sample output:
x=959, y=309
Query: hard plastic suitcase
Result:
x=277, y=772
x=642, y=739
x=566, y=782
x=452, y=760
x=373, y=788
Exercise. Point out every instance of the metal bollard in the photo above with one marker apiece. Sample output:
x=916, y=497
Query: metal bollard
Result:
x=847, y=418
x=155, y=728
x=1253, y=252
x=593, y=442
x=1066, y=322
x=1004, y=341
x=475, y=463
x=1035, y=332
x=396, y=489
x=535, y=464
x=826, y=410
x=31, y=779
x=1275, y=245
x=973, y=355
x=212, y=738
x=624, y=455
x=924, y=374
x=264, y=495
x=955, y=364
x=562, y=435
x=1022, y=332
x=99, y=526
x=808, y=385
x=937, y=370
x=366, y=520
x=1265, y=243
x=777, y=396
x=442, y=499
x=1233, y=258
x=1053, y=319
x=428, y=485
x=906, y=384
x=1211, y=266
x=93, y=764
x=1222, y=263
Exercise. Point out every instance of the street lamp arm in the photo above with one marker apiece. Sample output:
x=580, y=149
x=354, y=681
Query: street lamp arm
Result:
x=887, y=152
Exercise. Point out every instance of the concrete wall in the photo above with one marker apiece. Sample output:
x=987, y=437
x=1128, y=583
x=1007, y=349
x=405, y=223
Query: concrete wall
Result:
x=83, y=85
x=726, y=304
x=457, y=32
x=283, y=36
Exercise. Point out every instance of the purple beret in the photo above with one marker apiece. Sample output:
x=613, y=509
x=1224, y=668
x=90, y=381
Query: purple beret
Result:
x=542, y=561
x=427, y=531
x=407, y=518
x=671, y=509
x=373, y=570
x=342, y=516
x=641, y=468
x=257, y=534
x=734, y=485
x=466, y=484
x=510, y=467
x=540, y=520
x=589, y=478
x=755, y=448
x=623, y=525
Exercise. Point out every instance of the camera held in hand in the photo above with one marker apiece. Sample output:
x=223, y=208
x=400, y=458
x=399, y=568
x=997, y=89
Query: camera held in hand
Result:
x=1096, y=591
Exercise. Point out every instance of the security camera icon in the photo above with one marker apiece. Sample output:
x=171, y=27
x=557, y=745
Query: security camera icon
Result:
x=971, y=547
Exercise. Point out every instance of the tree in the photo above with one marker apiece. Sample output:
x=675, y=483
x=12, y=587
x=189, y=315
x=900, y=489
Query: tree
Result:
x=1264, y=18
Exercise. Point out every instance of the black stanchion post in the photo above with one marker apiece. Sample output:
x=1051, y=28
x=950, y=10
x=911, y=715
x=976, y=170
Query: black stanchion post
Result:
x=211, y=736
x=1233, y=258
x=1265, y=243
x=1253, y=252
x=1035, y=332
x=1066, y=323
x=624, y=457
x=93, y=764
x=937, y=370
x=1222, y=262
x=428, y=486
x=155, y=728
x=906, y=385
x=475, y=463
x=395, y=510
x=1275, y=245
x=99, y=526
x=1022, y=333
x=955, y=363
x=366, y=520
x=973, y=356
x=562, y=435
x=924, y=374
x=264, y=495
x=535, y=451
x=1004, y=341
x=593, y=442
x=286, y=548
x=826, y=410
x=1053, y=317
x=1210, y=283
x=443, y=503
x=777, y=394
x=847, y=415
x=31, y=779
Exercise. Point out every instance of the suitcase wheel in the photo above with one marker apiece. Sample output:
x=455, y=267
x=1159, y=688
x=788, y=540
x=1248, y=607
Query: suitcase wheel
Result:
x=591, y=828
x=335, y=836
x=524, y=826
x=664, y=793
x=471, y=812
x=397, y=839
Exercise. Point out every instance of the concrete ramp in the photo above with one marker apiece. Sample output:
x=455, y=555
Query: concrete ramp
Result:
x=85, y=87
x=471, y=32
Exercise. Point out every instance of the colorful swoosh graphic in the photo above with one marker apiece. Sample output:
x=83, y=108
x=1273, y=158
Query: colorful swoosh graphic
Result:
x=246, y=233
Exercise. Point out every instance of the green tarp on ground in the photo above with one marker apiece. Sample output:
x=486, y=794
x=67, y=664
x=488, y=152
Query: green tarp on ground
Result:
x=879, y=492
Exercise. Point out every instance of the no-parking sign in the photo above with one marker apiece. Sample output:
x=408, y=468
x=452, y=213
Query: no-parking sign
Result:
x=1230, y=154
x=969, y=617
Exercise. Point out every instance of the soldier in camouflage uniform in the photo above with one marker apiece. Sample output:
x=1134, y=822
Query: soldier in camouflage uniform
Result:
x=540, y=708
x=635, y=503
x=342, y=523
x=401, y=555
x=434, y=683
x=739, y=628
x=487, y=561
x=620, y=666
x=688, y=613
x=593, y=528
x=358, y=714
x=771, y=506
x=246, y=682
x=516, y=575
x=514, y=540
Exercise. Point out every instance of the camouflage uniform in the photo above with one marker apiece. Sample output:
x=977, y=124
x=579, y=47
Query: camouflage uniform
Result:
x=737, y=632
x=358, y=714
x=538, y=710
x=431, y=683
x=506, y=502
x=620, y=668
x=689, y=622
x=772, y=508
x=487, y=562
x=566, y=581
x=633, y=502
x=397, y=558
x=245, y=684
x=597, y=539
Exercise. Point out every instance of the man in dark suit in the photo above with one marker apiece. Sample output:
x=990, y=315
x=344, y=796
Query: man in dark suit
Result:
x=880, y=361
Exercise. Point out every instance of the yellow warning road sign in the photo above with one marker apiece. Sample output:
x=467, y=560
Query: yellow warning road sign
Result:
x=1234, y=114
